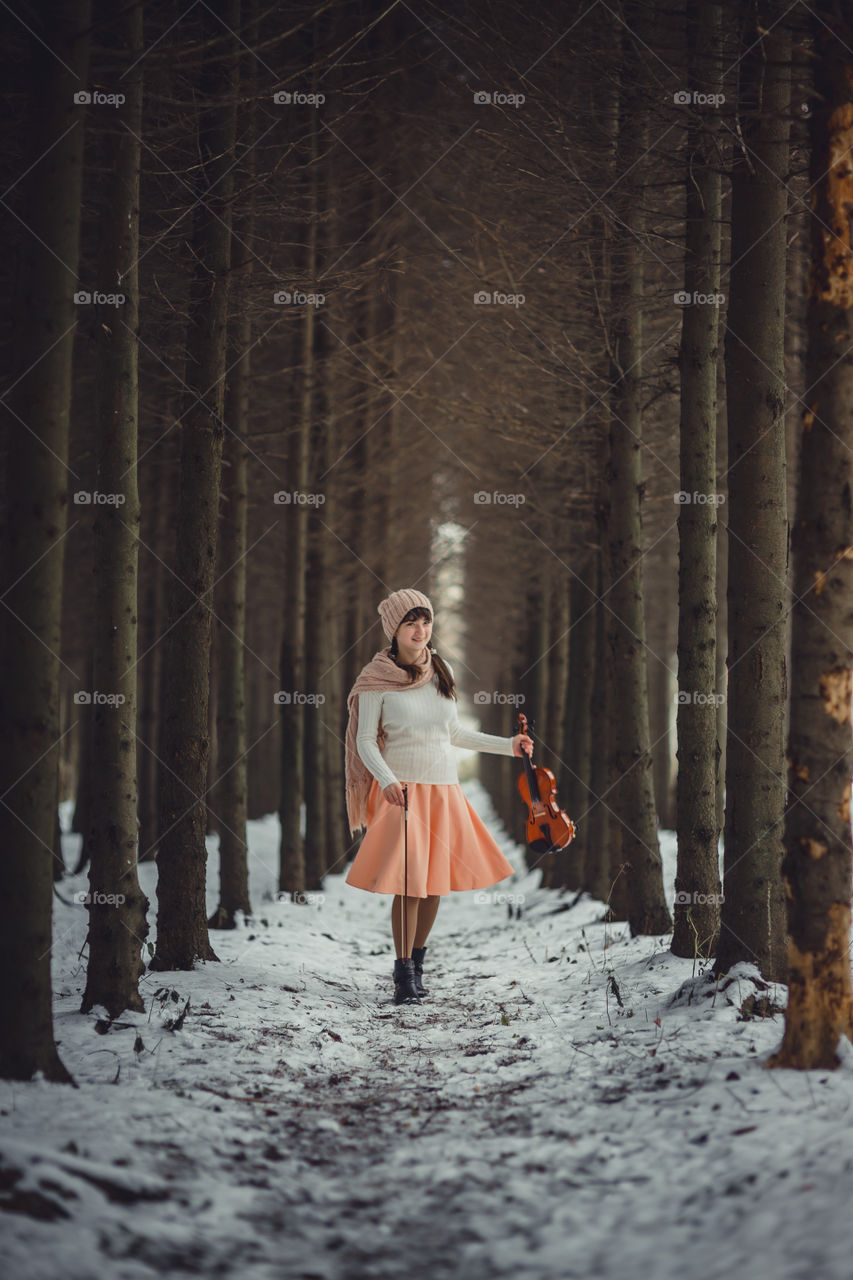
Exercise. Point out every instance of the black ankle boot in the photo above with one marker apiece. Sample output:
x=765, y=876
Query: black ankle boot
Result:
x=418, y=957
x=405, y=987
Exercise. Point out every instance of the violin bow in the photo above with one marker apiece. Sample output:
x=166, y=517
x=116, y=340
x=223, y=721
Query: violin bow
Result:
x=405, y=867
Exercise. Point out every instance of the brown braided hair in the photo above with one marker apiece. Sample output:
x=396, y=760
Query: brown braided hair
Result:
x=446, y=683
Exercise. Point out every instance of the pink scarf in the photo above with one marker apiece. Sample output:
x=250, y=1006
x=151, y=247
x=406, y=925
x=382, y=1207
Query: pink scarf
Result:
x=380, y=675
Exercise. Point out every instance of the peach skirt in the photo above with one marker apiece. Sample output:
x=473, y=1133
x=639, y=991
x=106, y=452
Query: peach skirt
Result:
x=448, y=846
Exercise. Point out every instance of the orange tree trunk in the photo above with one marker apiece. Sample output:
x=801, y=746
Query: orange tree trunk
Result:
x=818, y=852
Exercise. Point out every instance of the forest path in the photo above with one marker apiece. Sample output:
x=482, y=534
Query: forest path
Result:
x=561, y=1106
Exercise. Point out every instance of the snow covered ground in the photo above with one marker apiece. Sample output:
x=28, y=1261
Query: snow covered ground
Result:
x=568, y=1103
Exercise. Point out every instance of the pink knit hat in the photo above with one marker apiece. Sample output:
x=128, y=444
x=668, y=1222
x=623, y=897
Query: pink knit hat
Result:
x=395, y=607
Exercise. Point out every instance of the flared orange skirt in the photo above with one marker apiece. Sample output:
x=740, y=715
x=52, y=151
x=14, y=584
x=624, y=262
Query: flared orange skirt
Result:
x=448, y=845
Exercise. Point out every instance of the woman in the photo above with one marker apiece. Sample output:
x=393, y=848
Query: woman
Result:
x=402, y=728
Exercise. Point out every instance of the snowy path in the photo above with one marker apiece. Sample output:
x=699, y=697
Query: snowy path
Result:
x=522, y=1122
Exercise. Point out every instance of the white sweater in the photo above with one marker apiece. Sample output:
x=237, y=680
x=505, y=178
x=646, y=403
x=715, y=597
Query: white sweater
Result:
x=421, y=729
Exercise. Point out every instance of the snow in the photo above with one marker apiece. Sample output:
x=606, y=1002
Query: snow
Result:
x=569, y=1102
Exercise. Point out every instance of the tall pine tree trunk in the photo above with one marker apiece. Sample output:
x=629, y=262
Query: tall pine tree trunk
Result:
x=118, y=922
x=661, y=692
x=153, y=616
x=36, y=416
x=604, y=874
x=578, y=722
x=330, y=649
x=697, y=880
x=232, y=765
x=752, y=923
x=182, y=934
x=818, y=859
x=631, y=760
x=231, y=782
x=294, y=636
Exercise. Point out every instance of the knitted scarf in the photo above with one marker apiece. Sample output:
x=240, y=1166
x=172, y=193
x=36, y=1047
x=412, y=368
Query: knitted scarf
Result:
x=380, y=675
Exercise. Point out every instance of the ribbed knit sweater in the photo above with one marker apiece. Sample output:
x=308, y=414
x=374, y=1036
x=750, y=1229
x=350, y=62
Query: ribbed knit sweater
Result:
x=421, y=728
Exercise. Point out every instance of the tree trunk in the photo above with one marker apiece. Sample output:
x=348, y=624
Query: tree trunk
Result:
x=337, y=340
x=558, y=671
x=151, y=665
x=818, y=850
x=631, y=761
x=697, y=881
x=292, y=866
x=661, y=693
x=330, y=716
x=232, y=765
x=37, y=411
x=604, y=873
x=578, y=722
x=722, y=634
x=211, y=819
x=752, y=923
x=85, y=714
x=182, y=934
x=118, y=920
x=316, y=794
x=565, y=873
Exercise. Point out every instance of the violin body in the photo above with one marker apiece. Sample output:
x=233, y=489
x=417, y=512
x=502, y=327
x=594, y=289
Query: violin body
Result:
x=548, y=827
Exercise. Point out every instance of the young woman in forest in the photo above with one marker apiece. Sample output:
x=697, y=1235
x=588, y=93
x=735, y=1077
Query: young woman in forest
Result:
x=402, y=728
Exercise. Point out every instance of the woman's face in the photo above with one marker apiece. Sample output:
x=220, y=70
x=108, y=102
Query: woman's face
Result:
x=412, y=635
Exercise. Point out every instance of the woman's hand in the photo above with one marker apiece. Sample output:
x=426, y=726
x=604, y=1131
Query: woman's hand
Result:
x=520, y=742
x=394, y=794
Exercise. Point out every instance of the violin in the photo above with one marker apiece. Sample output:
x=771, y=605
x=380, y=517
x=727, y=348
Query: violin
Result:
x=548, y=827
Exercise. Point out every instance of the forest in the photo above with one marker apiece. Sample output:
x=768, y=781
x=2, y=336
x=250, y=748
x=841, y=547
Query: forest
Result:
x=545, y=312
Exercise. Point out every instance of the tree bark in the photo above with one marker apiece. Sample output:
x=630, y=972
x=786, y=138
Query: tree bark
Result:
x=118, y=919
x=182, y=933
x=606, y=873
x=697, y=881
x=294, y=636
x=577, y=732
x=151, y=664
x=232, y=765
x=84, y=716
x=752, y=922
x=36, y=410
x=631, y=761
x=565, y=871
x=661, y=693
x=818, y=861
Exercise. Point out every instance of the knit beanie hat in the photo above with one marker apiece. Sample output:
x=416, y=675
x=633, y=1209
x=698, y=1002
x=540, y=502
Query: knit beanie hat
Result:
x=395, y=607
